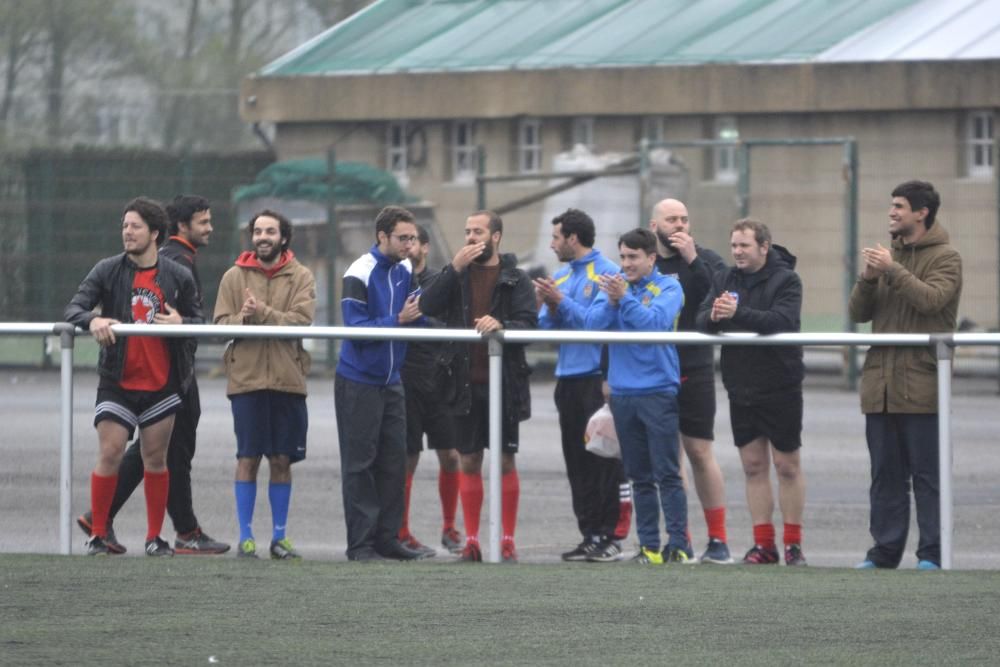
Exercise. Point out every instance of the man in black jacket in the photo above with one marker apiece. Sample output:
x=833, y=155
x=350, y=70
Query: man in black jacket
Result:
x=680, y=257
x=142, y=378
x=763, y=294
x=485, y=290
x=190, y=228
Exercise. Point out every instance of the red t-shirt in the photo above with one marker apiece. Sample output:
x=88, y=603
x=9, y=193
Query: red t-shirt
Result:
x=147, y=359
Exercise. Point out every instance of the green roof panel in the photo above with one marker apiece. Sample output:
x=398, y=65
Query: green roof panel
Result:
x=468, y=35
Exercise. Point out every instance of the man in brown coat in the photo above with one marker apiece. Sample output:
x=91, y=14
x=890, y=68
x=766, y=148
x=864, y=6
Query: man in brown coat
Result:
x=912, y=288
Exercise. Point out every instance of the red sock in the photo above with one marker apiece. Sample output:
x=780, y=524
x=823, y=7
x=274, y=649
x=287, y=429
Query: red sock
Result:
x=763, y=535
x=715, y=517
x=156, y=486
x=470, y=486
x=404, y=528
x=511, y=489
x=624, y=511
x=102, y=493
x=793, y=533
x=448, y=490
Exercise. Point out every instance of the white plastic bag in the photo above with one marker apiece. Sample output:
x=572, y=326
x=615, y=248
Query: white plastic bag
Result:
x=600, y=437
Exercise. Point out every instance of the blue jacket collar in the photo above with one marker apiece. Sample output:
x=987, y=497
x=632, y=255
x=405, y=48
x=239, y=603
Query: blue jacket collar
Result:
x=586, y=259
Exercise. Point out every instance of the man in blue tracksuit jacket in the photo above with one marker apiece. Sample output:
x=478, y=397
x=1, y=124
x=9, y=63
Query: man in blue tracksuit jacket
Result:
x=594, y=482
x=378, y=291
x=644, y=381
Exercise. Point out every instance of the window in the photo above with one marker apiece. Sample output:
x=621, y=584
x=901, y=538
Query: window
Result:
x=396, y=143
x=582, y=132
x=725, y=168
x=464, y=152
x=652, y=128
x=529, y=145
x=979, y=144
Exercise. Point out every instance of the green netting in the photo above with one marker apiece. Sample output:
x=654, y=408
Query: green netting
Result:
x=308, y=178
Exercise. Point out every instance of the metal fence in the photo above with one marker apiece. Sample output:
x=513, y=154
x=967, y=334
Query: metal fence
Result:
x=943, y=345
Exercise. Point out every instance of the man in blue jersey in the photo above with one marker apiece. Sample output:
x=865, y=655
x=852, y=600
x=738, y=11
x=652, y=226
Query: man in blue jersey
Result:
x=594, y=481
x=378, y=291
x=644, y=381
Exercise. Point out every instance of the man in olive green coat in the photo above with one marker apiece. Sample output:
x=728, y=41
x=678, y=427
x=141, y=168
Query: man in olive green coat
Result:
x=912, y=288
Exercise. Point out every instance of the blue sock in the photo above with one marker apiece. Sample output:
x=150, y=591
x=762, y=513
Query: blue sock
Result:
x=280, y=495
x=246, y=498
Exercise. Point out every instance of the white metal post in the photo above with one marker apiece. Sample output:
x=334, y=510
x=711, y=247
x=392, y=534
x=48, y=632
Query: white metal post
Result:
x=496, y=431
x=945, y=354
x=66, y=339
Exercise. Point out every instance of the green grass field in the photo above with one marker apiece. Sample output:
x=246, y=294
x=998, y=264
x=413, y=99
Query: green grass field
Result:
x=191, y=611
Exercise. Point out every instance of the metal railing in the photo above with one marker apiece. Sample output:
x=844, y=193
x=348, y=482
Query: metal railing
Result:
x=942, y=344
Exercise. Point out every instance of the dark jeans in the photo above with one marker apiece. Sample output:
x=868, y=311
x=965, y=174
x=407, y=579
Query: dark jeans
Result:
x=593, y=480
x=647, y=432
x=180, y=505
x=371, y=428
x=903, y=447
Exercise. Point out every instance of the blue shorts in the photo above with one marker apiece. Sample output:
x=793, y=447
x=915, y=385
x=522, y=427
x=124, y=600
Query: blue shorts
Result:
x=270, y=423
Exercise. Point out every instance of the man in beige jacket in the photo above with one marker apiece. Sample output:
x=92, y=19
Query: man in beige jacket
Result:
x=267, y=377
x=912, y=288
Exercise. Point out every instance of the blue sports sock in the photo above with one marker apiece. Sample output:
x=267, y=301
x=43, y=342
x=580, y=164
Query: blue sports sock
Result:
x=280, y=495
x=246, y=498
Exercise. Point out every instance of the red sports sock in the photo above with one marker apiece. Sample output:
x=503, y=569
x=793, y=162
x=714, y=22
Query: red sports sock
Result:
x=511, y=490
x=448, y=490
x=404, y=528
x=102, y=493
x=624, y=511
x=156, y=486
x=793, y=533
x=763, y=535
x=470, y=486
x=715, y=517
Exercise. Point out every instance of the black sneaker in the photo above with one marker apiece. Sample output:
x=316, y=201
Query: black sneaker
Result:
x=580, y=552
x=677, y=555
x=717, y=552
x=283, y=550
x=85, y=521
x=197, y=542
x=158, y=547
x=96, y=546
x=794, y=556
x=609, y=551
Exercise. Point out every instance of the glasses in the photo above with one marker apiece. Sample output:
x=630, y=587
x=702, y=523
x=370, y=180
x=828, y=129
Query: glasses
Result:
x=405, y=238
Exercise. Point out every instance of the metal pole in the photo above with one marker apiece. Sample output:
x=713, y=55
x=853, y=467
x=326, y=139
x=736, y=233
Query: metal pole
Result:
x=945, y=353
x=851, y=225
x=332, y=306
x=66, y=340
x=496, y=431
x=644, y=181
x=743, y=186
x=480, y=183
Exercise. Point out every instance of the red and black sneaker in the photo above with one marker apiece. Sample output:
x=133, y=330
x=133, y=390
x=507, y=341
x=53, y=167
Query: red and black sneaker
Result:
x=508, y=554
x=759, y=555
x=110, y=541
x=794, y=556
x=472, y=553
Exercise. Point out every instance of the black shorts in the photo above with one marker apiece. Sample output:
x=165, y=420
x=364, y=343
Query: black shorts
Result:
x=424, y=414
x=270, y=423
x=132, y=408
x=778, y=419
x=472, y=431
x=696, y=403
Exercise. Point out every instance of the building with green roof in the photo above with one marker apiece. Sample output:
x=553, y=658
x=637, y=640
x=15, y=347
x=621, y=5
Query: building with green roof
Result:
x=413, y=86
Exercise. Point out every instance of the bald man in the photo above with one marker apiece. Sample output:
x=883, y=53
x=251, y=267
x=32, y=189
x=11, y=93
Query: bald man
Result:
x=680, y=257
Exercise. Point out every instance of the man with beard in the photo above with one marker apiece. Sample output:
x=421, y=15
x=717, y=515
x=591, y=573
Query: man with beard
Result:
x=644, y=380
x=762, y=294
x=594, y=482
x=680, y=257
x=913, y=288
x=431, y=381
x=267, y=377
x=378, y=291
x=142, y=378
x=483, y=289
x=190, y=229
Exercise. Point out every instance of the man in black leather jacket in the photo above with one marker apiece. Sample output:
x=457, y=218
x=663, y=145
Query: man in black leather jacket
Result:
x=141, y=377
x=485, y=290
